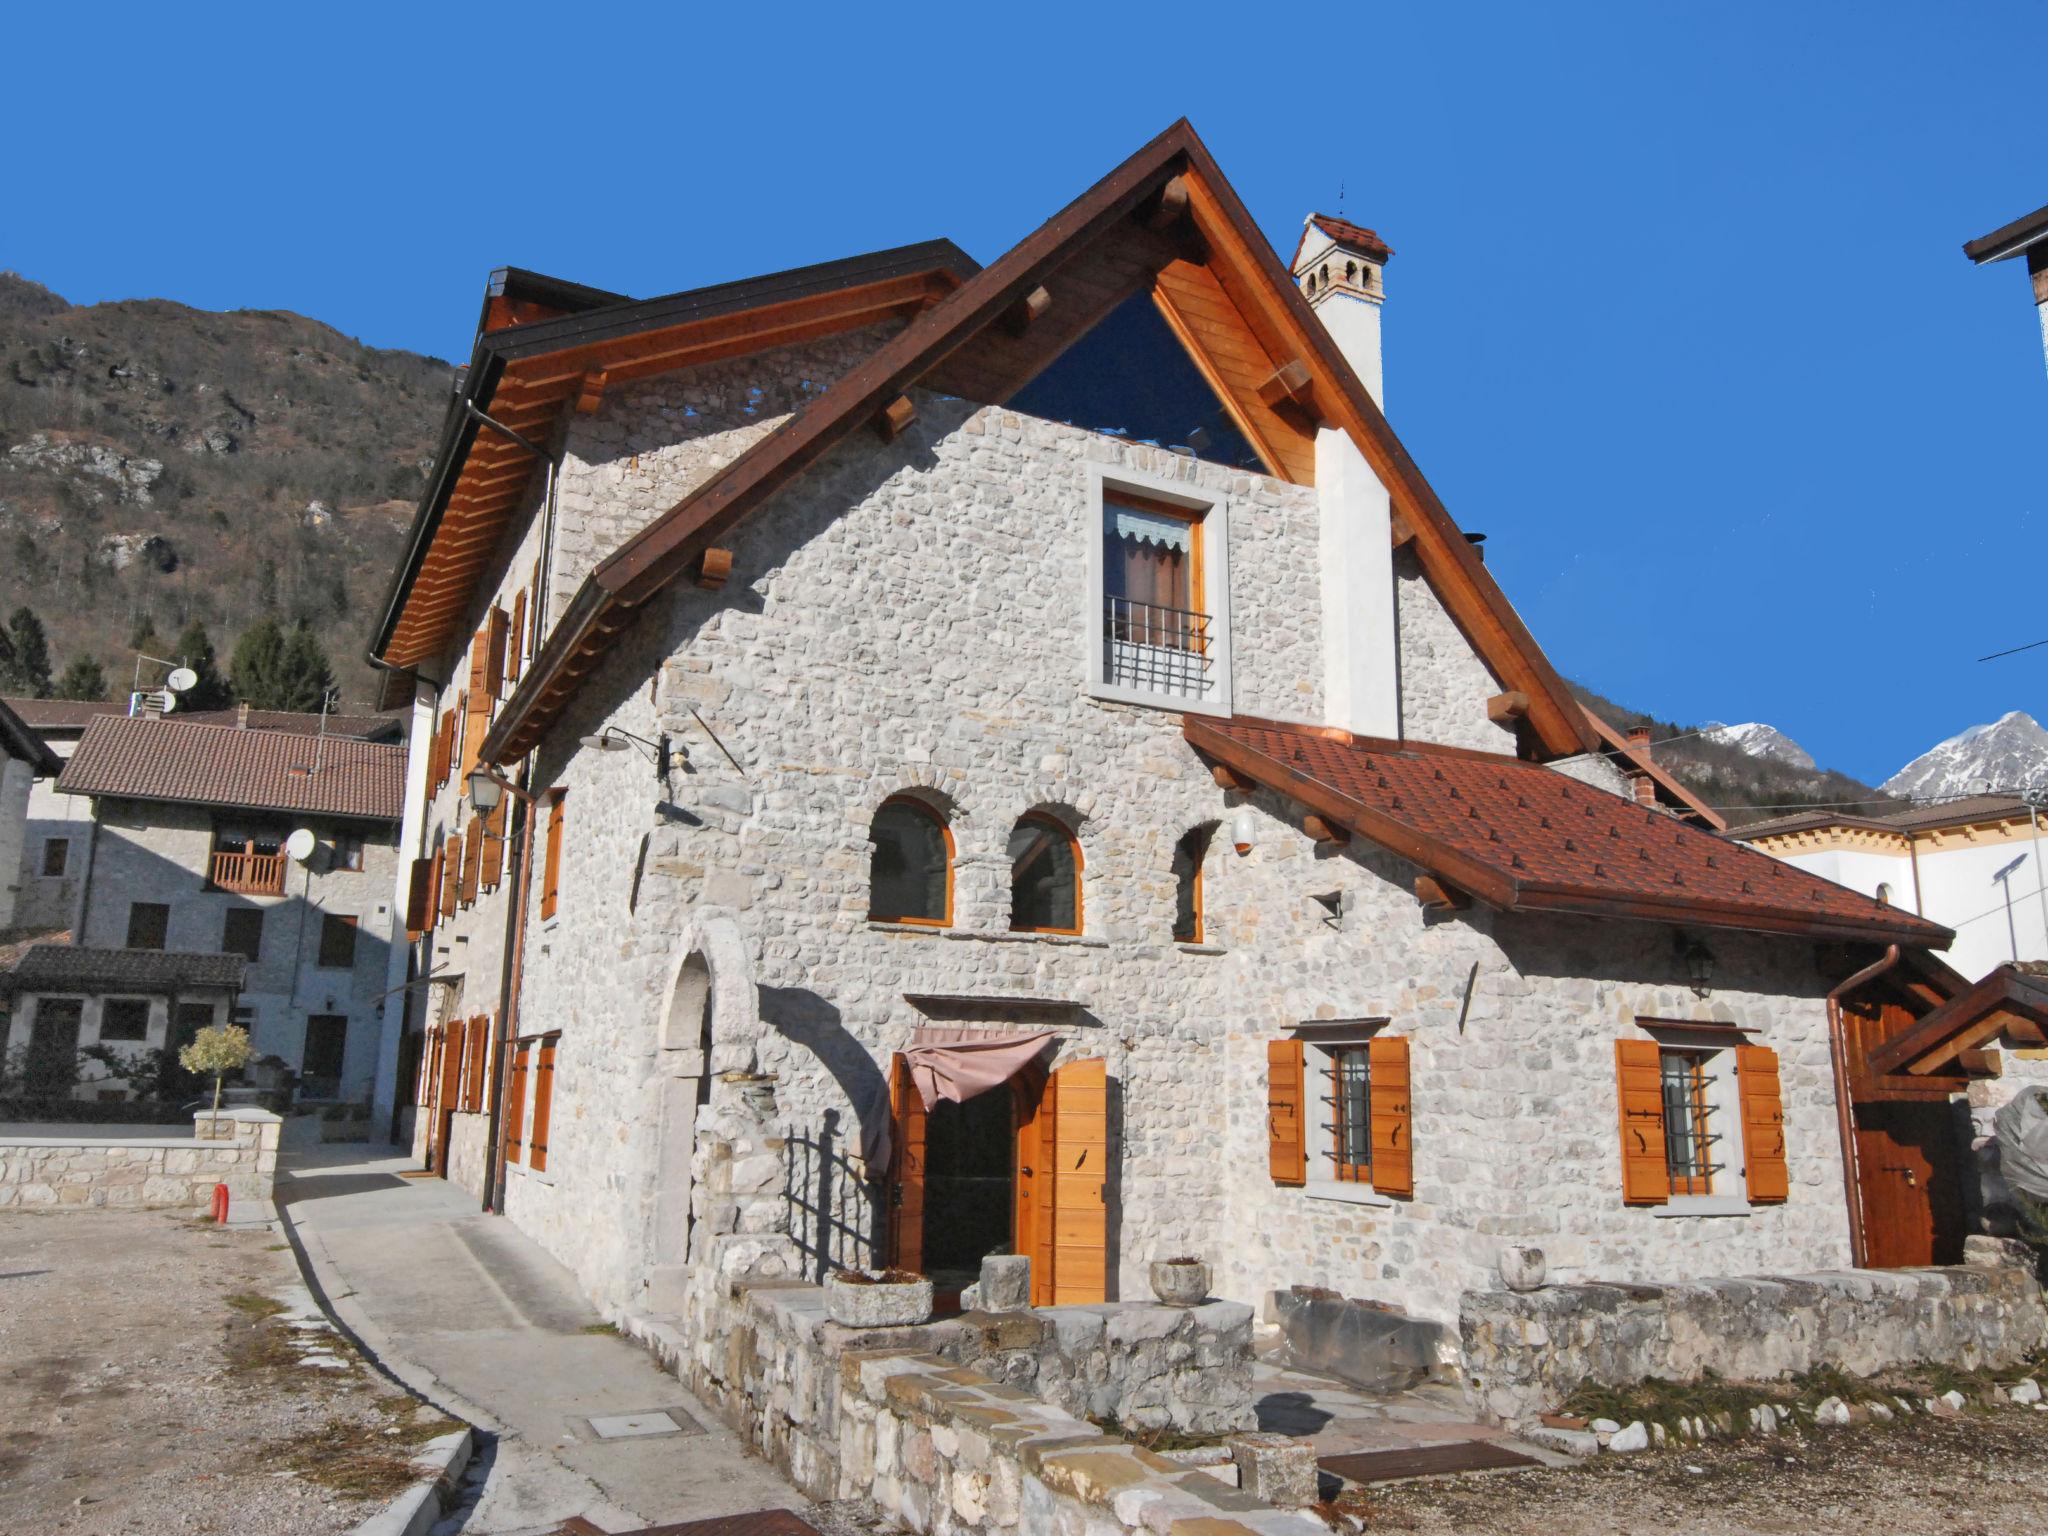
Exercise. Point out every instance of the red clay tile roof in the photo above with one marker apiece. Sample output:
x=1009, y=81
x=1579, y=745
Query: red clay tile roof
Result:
x=1343, y=230
x=52, y=967
x=146, y=759
x=77, y=714
x=1522, y=837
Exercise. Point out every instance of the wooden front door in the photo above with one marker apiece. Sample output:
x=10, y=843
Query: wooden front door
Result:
x=1910, y=1184
x=1062, y=1216
x=447, y=1095
x=906, y=1169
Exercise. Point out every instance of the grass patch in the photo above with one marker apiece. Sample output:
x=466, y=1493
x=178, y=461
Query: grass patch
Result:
x=260, y=1348
x=363, y=1458
x=254, y=1305
x=1165, y=1438
x=602, y=1330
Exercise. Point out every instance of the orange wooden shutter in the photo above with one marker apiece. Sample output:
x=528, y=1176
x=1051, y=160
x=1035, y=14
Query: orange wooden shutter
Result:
x=551, y=869
x=1286, y=1112
x=430, y=1057
x=515, y=646
x=543, y=1104
x=494, y=846
x=472, y=859
x=515, y=1101
x=906, y=1168
x=451, y=1068
x=1080, y=1161
x=451, y=873
x=473, y=1081
x=496, y=629
x=1763, y=1124
x=418, y=891
x=1645, y=1175
x=476, y=721
x=1032, y=1214
x=434, y=893
x=1393, y=1126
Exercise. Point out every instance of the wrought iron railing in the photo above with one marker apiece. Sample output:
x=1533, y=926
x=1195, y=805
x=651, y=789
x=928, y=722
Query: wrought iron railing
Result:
x=1149, y=646
x=252, y=874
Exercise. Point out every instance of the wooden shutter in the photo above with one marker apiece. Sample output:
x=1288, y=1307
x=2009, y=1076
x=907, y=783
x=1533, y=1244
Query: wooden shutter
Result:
x=434, y=893
x=1286, y=1112
x=476, y=721
x=543, y=1104
x=445, y=1097
x=1393, y=1126
x=1645, y=1175
x=515, y=645
x=1763, y=1124
x=418, y=894
x=906, y=1168
x=437, y=756
x=472, y=859
x=496, y=628
x=551, y=868
x=451, y=873
x=494, y=846
x=1032, y=1213
x=515, y=1102
x=1080, y=1162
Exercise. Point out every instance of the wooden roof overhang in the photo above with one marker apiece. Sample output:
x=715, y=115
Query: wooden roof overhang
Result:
x=534, y=360
x=2011, y=1000
x=1669, y=790
x=1179, y=226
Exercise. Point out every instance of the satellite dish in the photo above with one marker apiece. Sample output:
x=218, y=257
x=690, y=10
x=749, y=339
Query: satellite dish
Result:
x=301, y=843
x=182, y=680
x=166, y=701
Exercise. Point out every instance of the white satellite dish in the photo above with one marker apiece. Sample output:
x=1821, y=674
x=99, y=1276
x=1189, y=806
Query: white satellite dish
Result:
x=166, y=701
x=301, y=843
x=182, y=680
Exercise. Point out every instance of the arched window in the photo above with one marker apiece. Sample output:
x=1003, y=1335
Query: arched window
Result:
x=1045, y=876
x=1188, y=854
x=910, y=873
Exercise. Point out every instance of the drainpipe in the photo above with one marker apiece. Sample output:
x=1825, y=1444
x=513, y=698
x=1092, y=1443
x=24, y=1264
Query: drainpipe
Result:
x=509, y=983
x=1845, y=1113
x=1913, y=852
x=2040, y=884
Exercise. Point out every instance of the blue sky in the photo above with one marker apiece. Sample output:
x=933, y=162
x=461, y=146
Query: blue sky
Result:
x=1678, y=314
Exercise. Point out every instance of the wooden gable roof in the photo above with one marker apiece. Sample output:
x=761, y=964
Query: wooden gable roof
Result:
x=545, y=347
x=1165, y=215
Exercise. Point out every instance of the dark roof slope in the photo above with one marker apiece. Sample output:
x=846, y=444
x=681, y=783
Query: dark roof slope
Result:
x=148, y=759
x=1523, y=837
x=2009, y=239
x=51, y=966
x=76, y=714
x=18, y=740
x=1915, y=818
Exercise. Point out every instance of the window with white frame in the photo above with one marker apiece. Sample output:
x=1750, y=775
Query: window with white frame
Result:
x=1703, y=1130
x=1338, y=1123
x=1158, y=620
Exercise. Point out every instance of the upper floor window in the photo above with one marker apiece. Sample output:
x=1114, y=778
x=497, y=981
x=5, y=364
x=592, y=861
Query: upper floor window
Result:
x=1188, y=854
x=1045, y=876
x=56, y=855
x=910, y=872
x=348, y=850
x=1158, y=597
x=149, y=924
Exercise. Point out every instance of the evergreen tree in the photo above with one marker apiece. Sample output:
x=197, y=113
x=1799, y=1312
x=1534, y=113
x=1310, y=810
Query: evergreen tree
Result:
x=305, y=679
x=28, y=668
x=83, y=679
x=194, y=649
x=254, y=667
x=145, y=639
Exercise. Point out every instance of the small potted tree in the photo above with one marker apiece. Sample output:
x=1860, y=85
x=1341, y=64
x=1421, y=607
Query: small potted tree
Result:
x=887, y=1298
x=214, y=1052
x=1182, y=1282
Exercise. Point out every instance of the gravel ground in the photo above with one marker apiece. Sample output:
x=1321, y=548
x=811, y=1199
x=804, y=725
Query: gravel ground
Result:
x=146, y=1386
x=1981, y=1473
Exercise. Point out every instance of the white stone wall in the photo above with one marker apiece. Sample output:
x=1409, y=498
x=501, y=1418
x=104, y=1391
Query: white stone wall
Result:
x=1444, y=683
x=904, y=617
x=17, y=779
x=48, y=901
x=141, y=1173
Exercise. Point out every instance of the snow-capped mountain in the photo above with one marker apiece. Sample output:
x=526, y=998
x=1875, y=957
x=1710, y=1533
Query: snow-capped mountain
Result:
x=2010, y=754
x=1759, y=740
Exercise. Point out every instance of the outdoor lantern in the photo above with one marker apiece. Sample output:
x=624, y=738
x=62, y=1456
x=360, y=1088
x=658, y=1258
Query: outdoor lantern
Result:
x=486, y=789
x=1241, y=832
x=1699, y=964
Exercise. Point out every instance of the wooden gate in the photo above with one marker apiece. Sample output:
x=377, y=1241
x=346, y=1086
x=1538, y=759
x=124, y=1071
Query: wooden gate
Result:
x=906, y=1169
x=1909, y=1154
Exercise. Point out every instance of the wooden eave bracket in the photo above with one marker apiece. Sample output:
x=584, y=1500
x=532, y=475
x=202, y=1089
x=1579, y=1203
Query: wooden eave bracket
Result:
x=1324, y=830
x=1403, y=531
x=713, y=567
x=1026, y=312
x=896, y=418
x=1290, y=388
x=1436, y=895
x=1227, y=777
x=1170, y=207
x=1508, y=708
x=590, y=391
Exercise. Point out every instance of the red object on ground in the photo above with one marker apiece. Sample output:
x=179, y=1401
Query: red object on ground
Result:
x=220, y=1203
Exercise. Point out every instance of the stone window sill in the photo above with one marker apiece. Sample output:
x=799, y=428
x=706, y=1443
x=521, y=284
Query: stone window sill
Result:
x=1081, y=940
x=1345, y=1192
x=1703, y=1205
x=1200, y=949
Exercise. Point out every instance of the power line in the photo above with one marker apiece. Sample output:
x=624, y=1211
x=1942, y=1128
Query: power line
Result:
x=2030, y=645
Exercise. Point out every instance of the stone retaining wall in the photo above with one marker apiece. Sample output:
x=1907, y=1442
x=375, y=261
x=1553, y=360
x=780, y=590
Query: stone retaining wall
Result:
x=938, y=1447
x=142, y=1173
x=1525, y=1353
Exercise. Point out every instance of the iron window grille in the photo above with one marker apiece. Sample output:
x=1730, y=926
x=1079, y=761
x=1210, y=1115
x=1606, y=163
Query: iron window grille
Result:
x=1689, y=1136
x=1350, y=1102
x=1165, y=650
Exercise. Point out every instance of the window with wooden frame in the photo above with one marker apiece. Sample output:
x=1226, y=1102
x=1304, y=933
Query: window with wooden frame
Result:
x=1045, y=876
x=496, y=632
x=910, y=867
x=1158, y=590
x=1689, y=1134
x=1339, y=1118
x=451, y=873
x=1701, y=1120
x=1188, y=920
x=551, y=862
x=493, y=823
x=472, y=859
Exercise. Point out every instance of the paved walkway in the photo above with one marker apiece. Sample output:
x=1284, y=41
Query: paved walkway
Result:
x=473, y=1315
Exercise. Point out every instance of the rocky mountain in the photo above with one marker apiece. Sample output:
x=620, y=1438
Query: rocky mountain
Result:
x=2009, y=755
x=1759, y=740
x=168, y=462
x=1746, y=772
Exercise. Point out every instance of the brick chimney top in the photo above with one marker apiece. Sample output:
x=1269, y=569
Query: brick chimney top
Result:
x=242, y=715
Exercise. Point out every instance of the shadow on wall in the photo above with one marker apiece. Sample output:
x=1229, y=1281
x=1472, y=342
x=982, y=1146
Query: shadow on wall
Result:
x=835, y=1214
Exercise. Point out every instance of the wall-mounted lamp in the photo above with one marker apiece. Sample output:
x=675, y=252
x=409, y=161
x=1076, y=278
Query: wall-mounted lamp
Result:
x=488, y=788
x=1241, y=832
x=612, y=739
x=1699, y=965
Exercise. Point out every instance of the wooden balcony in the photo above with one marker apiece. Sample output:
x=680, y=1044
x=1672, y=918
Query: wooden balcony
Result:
x=252, y=874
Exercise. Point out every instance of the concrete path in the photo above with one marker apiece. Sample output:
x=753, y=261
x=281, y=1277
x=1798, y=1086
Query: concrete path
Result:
x=474, y=1316
x=1342, y=1419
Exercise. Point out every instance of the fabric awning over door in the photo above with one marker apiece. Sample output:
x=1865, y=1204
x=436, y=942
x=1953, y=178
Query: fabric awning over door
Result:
x=955, y=1065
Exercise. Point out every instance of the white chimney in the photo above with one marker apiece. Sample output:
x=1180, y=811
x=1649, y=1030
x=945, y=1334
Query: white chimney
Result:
x=1339, y=267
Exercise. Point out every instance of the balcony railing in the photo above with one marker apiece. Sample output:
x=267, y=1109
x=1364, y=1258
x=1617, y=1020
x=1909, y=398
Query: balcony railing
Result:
x=252, y=874
x=1164, y=650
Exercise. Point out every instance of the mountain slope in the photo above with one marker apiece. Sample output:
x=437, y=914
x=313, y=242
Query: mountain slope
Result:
x=2008, y=755
x=1760, y=740
x=176, y=463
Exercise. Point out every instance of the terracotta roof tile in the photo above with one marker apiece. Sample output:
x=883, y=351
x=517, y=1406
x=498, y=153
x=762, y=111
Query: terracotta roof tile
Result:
x=77, y=714
x=1520, y=836
x=148, y=759
x=68, y=965
x=1342, y=230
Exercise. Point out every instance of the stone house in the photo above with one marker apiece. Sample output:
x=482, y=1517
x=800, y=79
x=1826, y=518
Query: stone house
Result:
x=25, y=758
x=913, y=760
x=273, y=848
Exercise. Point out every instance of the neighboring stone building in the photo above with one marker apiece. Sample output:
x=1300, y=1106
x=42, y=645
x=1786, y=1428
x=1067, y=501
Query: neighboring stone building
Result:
x=25, y=758
x=970, y=759
x=187, y=857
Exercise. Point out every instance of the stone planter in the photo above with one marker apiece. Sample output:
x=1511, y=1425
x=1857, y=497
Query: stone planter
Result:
x=1522, y=1269
x=877, y=1303
x=1180, y=1282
